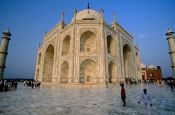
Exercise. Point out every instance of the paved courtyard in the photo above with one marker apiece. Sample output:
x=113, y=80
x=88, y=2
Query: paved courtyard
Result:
x=77, y=100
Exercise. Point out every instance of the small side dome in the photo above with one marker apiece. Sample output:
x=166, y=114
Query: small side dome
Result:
x=142, y=65
x=87, y=14
x=169, y=30
x=151, y=66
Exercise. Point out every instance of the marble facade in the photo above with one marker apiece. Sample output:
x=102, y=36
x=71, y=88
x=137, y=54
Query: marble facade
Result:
x=87, y=51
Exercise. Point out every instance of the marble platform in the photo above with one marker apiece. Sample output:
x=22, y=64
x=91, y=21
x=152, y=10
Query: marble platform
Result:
x=85, y=100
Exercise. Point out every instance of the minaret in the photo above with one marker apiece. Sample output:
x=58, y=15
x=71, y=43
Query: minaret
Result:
x=3, y=51
x=171, y=43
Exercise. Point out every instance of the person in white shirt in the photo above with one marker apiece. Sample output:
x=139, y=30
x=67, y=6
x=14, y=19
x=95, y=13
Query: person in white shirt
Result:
x=145, y=98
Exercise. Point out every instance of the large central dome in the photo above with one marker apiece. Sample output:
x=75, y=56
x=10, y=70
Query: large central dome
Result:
x=88, y=14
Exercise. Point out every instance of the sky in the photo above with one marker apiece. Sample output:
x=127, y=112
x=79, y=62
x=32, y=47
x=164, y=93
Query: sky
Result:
x=146, y=20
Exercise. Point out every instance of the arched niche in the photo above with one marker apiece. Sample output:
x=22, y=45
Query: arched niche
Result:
x=48, y=64
x=127, y=60
x=111, y=71
x=39, y=58
x=64, y=72
x=88, y=71
x=110, y=45
x=88, y=42
x=66, y=45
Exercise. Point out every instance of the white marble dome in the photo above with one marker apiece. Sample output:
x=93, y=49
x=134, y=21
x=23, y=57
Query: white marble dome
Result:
x=88, y=14
x=151, y=66
x=143, y=65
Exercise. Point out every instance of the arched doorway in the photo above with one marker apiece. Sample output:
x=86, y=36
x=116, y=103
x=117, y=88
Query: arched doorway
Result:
x=111, y=71
x=64, y=72
x=110, y=45
x=66, y=45
x=88, y=42
x=127, y=60
x=87, y=71
x=48, y=64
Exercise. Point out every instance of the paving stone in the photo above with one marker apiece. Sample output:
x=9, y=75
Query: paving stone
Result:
x=76, y=100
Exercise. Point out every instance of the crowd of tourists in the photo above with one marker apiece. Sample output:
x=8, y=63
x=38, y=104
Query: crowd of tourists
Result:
x=8, y=85
x=138, y=82
x=32, y=83
x=11, y=85
x=162, y=83
x=170, y=83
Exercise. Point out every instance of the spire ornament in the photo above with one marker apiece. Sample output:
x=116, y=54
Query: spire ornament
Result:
x=114, y=15
x=45, y=34
x=114, y=21
x=102, y=12
x=39, y=45
x=62, y=16
x=88, y=7
x=75, y=13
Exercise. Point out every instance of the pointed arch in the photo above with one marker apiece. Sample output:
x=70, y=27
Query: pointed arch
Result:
x=127, y=59
x=64, y=72
x=110, y=45
x=88, y=42
x=66, y=45
x=48, y=64
x=111, y=71
x=88, y=71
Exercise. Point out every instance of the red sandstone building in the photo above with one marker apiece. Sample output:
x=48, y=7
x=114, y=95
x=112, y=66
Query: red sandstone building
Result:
x=151, y=72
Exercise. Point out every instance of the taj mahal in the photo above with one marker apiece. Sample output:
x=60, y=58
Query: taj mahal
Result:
x=87, y=51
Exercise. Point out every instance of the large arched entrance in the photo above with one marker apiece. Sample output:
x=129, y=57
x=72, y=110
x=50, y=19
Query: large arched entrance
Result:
x=88, y=42
x=127, y=60
x=88, y=71
x=64, y=72
x=111, y=71
x=48, y=64
x=66, y=45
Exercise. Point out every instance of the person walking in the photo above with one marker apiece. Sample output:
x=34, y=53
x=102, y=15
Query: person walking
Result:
x=106, y=82
x=123, y=94
x=145, y=98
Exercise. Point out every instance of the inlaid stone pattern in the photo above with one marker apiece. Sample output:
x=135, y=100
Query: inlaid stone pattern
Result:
x=87, y=51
